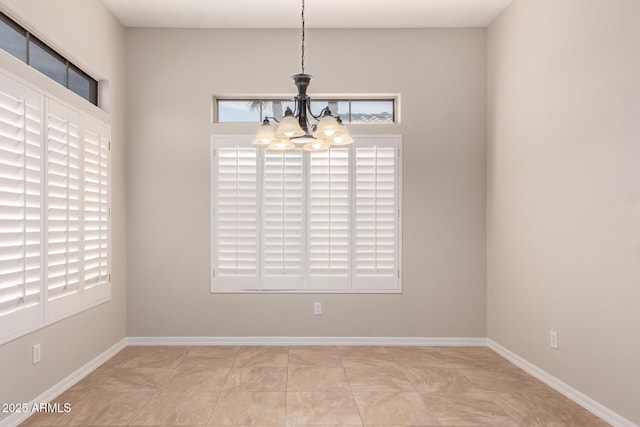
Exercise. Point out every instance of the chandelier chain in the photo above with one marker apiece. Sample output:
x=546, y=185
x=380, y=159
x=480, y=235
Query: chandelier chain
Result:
x=302, y=60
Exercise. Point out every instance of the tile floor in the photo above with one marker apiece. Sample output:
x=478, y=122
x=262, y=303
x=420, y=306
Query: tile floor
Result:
x=313, y=386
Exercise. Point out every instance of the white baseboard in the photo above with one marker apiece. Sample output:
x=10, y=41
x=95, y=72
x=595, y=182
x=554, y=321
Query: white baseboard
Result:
x=55, y=391
x=281, y=341
x=581, y=399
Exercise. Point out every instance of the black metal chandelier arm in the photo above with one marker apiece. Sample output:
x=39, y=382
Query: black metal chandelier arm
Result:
x=296, y=110
x=322, y=112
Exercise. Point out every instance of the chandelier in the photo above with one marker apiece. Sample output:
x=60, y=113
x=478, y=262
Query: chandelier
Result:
x=294, y=129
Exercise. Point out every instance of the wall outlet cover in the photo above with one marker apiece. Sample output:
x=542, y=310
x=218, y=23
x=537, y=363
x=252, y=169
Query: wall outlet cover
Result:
x=553, y=339
x=36, y=354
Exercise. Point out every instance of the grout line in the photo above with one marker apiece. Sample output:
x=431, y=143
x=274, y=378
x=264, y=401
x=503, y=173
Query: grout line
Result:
x=154, y=393
x=221, y=390
x=286, y=387
x=353, y=396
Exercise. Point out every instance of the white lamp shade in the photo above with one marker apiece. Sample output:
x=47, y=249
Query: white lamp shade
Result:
x=281, y=145
x=317, y=146
x=328, y=127
x=265, y=136
x=342, y=138
x=289, y=128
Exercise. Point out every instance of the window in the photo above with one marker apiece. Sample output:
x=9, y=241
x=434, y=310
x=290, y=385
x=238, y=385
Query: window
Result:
x=13, y=38
x=47, y=61
x=54, y=210
x=301, y=222
x=369, y=111
x=29, y=49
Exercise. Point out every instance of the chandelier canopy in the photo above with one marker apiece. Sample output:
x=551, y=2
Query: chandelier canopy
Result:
x=294, y=128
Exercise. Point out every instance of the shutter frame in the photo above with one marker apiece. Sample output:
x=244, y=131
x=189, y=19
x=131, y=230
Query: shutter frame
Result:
x=283, y=220
x=224, y=280
x=20, y=208
x=378, y=207
x=63, y=199
x=96, y=147
x=329, y=220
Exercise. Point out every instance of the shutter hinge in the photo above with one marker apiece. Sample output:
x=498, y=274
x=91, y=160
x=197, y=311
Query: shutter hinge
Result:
x=398, y=274
x=109, y=145
x=214, y=272
x=109, y=212
x=109, y=278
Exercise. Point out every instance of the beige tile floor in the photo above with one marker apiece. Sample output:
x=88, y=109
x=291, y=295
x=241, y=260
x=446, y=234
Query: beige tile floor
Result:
x=313, y=386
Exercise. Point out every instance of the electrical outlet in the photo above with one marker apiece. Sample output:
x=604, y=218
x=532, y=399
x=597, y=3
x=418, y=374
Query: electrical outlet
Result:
x=553, y=339
x=35, y=354
x=317, y=308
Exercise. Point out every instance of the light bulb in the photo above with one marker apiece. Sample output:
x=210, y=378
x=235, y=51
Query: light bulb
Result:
x=316, y=146
x=328, y=127
x=342, y=138
x=289, y=127
x=281, y=145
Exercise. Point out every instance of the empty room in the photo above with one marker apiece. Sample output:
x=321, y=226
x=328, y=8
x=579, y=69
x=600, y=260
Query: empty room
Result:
x=320, y=213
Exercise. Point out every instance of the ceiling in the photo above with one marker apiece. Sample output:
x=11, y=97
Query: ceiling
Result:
x=318, y=14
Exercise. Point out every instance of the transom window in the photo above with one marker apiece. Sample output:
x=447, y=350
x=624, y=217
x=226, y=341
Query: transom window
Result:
x=355, y=111
x=306, y=222
x=20, y=43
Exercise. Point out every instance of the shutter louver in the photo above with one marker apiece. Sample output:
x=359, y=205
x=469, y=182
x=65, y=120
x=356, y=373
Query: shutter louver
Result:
x=236, y=218
x=64, y=210
x=283, y=220
x=95, y=139
x=376, y=211
x=20, y=207
x=329, y=220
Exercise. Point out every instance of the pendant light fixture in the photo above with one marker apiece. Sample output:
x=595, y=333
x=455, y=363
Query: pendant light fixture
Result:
x=294, y=128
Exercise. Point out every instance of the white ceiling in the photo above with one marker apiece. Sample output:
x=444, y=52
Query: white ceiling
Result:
x=318, y=13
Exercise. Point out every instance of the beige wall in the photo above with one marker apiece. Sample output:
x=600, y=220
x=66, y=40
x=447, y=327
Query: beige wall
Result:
x=87, y=33
x=564, y=192
x=171, y=75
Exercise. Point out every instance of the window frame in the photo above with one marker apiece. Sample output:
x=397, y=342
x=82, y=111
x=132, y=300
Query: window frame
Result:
x=242, y=284
x=349, y=98
x=31, y=38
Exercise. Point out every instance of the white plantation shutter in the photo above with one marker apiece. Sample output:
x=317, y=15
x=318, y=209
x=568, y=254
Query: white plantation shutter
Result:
x=376, y=217
x=20, y=207
x=95, y=141
x=306, y=222
x=283, y=220
x=235, y=224
x=54, y=210
x=64, y=210
x=329, y=220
